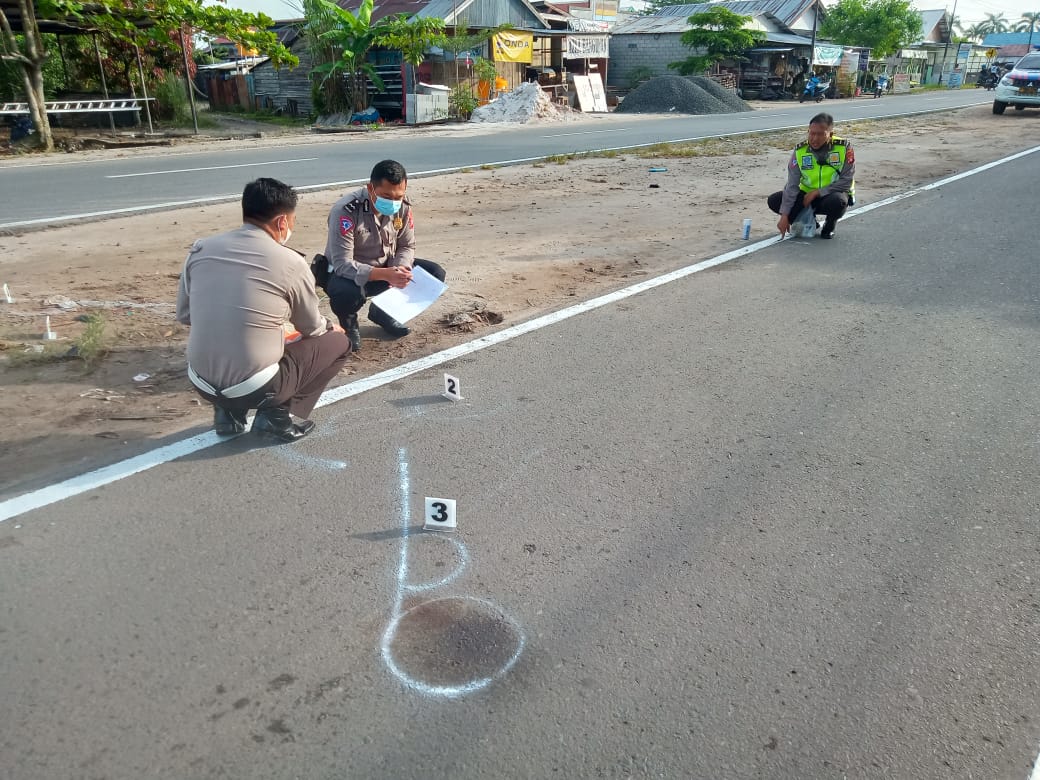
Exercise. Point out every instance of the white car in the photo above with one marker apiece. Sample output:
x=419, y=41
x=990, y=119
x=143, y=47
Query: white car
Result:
x=1019, y=87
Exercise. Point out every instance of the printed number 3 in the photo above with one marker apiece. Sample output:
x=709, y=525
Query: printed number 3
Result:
x=441, y=514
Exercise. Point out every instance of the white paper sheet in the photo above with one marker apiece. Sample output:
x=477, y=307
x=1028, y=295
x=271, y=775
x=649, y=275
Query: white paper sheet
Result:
x=416, y=297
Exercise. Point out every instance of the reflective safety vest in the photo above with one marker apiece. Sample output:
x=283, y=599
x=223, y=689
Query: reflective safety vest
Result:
x=816, y=175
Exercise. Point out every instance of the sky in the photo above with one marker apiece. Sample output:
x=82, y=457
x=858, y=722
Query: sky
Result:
x=968, y=11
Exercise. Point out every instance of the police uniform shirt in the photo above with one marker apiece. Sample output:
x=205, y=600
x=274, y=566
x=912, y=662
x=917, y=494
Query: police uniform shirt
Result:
x=237, y=289
x=360, y=238
x=843, y=182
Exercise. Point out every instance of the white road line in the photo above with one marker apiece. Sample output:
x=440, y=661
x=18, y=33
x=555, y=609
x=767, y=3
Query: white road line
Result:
x=586, y=132
x=208, y=168
x=36, y=499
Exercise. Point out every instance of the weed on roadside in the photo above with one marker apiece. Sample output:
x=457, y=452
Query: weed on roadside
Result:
x=92, y=345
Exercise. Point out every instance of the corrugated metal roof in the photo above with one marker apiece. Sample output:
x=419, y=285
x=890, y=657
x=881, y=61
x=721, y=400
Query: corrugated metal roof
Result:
x=678, y=24
x=785, y=11
x=1007, y=39
x=476, y=13
x=932, y=19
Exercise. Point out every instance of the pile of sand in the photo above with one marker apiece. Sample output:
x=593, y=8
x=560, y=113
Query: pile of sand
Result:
x=677, y=94
x=525, y=103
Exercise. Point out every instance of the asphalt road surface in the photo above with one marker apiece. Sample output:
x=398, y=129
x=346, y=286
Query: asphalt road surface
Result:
x=777, y=519
x=57, y=192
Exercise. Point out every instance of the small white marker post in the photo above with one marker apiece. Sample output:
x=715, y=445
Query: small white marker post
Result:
x=439, y=514
x=452, y=388
x=48, y=334
x=7, y=294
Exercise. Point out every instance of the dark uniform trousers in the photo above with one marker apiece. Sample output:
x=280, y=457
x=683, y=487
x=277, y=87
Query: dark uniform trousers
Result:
x=832, y=206
x=306, y=368
x=346, y=297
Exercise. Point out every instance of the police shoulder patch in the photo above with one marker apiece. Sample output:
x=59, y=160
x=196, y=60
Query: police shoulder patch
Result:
x=346, y=224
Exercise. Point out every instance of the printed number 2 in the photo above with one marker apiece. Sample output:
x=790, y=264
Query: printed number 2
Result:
x=441, y=514
x=451, y=385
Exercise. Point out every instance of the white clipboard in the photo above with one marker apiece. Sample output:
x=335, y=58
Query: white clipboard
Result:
x=415, y=298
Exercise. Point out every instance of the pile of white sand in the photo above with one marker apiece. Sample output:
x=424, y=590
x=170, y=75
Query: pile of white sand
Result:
x=525, y=103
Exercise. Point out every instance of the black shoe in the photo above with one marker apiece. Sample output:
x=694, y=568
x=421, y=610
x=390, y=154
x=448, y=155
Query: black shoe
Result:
x=228, y=422
x=387, y=323
x=353, y=334
x=277, y=423
x=828, y=229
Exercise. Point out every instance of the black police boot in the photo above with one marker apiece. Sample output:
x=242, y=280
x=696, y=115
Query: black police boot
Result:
x=387, y=323
x=828, y=229
x=228, y=422
x=276, y=423
x=353, y=333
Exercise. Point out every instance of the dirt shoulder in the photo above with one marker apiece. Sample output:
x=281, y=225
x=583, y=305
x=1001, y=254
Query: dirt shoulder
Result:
x=516, y=242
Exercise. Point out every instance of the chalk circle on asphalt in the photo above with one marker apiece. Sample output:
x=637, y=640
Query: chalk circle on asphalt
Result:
x=454, y=645
x=439, y=514
x=452, y=388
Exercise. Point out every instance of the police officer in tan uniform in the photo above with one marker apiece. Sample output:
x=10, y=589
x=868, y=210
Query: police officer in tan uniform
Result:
x=371, y=248
x=237, y=291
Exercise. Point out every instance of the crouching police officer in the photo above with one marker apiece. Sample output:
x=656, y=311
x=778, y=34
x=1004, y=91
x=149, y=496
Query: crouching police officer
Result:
x=237, y=291
x=371, y=248
x=820, y=175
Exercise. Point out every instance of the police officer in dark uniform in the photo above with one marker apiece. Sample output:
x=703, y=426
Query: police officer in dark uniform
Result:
x=371, y=248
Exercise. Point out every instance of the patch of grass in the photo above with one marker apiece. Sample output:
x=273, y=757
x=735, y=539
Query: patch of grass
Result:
x=487, y=167
x=92, y=345
x=263, y=116
x=465, y=170
x=36, y=355
x=559, y=159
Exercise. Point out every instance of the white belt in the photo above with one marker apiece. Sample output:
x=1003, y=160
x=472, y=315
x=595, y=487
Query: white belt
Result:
x=243, y=388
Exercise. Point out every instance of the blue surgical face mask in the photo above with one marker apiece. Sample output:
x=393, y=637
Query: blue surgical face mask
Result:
x=387, y=206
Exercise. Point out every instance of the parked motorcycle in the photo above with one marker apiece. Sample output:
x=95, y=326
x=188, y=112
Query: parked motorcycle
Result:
x=815, y=89
x=881, y=86
x=987, y=79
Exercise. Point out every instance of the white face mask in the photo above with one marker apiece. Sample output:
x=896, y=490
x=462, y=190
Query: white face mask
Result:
x=288, y=235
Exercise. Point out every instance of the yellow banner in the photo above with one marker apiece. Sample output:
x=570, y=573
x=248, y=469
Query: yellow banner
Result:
x=513, y=46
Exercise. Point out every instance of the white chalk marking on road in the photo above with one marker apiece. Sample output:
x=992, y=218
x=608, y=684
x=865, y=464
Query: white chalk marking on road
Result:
x=404, y=588
x=1035, y=774
x=92, y=480
x=587, y=132
x=208, y=168
x=293, y=455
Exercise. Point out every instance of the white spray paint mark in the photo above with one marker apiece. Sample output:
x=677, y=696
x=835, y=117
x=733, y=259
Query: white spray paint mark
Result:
x=309, y=461
x=27, y=502
x=404, y=588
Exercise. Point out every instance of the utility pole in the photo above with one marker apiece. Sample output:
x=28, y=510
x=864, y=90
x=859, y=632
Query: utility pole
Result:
x=812, y=54
x=946, y=48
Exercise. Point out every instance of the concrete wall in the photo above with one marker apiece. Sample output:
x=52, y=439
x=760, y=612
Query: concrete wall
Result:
x=651, y=50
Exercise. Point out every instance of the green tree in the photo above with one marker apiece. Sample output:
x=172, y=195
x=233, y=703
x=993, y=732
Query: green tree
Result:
x=1028, y=22
x=170, y=21
x=884, y=26
x=410, y=36
x=995, y=23
x=976, y=32
x=718, y=34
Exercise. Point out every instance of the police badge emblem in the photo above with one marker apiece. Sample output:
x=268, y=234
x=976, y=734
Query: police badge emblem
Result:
x=398, y=222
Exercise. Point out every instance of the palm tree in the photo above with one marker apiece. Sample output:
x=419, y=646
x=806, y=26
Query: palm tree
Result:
x=1028, y=22
x=976, y=32
x=995, y=23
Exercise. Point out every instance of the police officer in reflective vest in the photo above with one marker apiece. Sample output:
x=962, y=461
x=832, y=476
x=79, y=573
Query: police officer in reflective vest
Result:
x=371, y=248
x=820, y=175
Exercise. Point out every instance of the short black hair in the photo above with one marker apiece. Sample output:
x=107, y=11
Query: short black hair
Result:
x=389, y=171
x=265, y=199
x=823, y=118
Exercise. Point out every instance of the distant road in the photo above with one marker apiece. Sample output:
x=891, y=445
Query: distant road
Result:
x=57, y=191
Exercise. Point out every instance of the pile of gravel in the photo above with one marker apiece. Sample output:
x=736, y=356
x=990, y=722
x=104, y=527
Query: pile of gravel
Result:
x=680, y=95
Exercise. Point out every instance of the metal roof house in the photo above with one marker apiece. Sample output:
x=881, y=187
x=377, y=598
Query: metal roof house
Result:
x=645, y=45
x=1011, y=46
